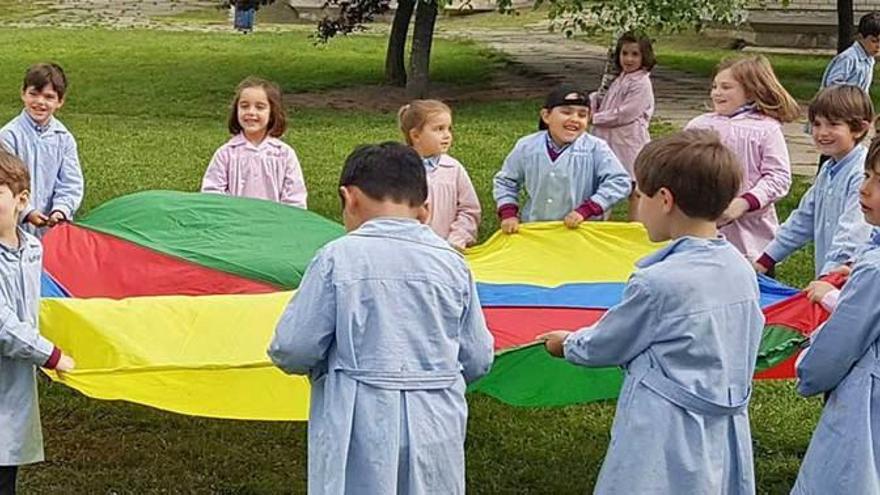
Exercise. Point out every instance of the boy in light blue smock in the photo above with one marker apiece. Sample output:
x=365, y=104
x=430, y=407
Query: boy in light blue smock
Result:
x=844, y=359
x=828, y=213
x=687, y=331
x=389, y=329
x=568, y=174
x=855, y=65
x=48, y=149
x=22, y=348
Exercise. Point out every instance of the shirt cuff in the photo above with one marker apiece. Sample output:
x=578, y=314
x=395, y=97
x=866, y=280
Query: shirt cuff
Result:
x=63, y=213
x=829, y=300
x=509, y=210
x=766, y=261
x=52, y=362
x=752, y=200
x=64, y=209
x=589, y=209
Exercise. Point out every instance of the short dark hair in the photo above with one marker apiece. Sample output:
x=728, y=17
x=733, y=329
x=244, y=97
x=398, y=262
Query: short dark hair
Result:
x=277, y=116
x=843, y=103
x=13, y=173
x=38, y=76
x=703, y=175
x=645, y=47
x=869, y=24
x=387, y=171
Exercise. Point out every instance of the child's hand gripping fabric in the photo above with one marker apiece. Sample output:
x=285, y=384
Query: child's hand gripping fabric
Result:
x=554, y=341
x=37, y=219
x=510, y=225
x=55, y=218
x=817, y=289
x=573, y=219
x=827, y=290
x=65, y=364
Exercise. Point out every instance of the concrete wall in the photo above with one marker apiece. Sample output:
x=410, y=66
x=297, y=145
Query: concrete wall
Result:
x=800, y=24
x=858, y=5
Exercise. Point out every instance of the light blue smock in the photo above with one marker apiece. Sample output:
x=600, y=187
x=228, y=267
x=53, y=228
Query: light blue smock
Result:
x=853, y=66
x=829, y=215
x=389, y=328
x=844, y=359
x=22, y=349
x=51, y=156
x=687, y=331
x=586, y=170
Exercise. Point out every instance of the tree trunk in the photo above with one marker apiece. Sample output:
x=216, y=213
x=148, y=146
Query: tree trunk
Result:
x=609, y=73
x=395, y=68
x=423, y=37
x=845, y=23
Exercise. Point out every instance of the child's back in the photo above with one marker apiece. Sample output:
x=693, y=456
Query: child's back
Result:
x=393, y=390
x=689, y=340
x=687, y=330
x=388, y=326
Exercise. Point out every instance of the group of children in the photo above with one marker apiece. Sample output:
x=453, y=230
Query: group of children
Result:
x=387, y=323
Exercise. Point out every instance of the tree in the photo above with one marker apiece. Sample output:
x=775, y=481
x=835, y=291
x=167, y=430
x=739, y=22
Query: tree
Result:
x=353, y=14
x=395, y=69
x=845, y=24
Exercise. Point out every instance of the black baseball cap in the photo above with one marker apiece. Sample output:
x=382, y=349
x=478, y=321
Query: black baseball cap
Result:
x=566, y=94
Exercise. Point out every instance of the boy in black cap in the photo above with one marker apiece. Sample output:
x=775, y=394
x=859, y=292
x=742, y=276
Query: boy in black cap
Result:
x=568, y=174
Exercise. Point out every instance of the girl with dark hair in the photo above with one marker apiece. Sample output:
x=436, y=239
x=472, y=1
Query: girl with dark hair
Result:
x=255, y=162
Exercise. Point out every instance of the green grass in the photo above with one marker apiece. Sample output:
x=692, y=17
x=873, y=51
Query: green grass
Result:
x=147, y=117
x=193, y=75
x=494, y=20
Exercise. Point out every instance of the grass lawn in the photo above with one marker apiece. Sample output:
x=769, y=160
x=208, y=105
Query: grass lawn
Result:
x=148, y=109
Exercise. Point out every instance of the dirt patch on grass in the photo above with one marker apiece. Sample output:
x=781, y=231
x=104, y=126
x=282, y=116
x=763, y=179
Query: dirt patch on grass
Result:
x=508, y=84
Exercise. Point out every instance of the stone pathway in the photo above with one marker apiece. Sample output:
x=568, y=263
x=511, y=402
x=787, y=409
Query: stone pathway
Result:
x=115, y=13
x=552, y=58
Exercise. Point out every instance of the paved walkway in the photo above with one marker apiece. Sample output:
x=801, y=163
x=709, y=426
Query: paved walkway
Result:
x=116, y=13
x=553, y=58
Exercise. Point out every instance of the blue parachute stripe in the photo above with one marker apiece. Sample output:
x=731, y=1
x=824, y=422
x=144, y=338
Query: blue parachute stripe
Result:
x=592, y=295
x=49, y=287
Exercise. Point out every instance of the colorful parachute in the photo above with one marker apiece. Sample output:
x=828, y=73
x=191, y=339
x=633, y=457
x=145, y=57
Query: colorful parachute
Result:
x=169, y=299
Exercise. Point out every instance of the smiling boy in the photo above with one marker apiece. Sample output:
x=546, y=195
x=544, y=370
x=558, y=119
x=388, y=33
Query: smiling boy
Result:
x=47, y=148
x=568, y=174
x=829, y=214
